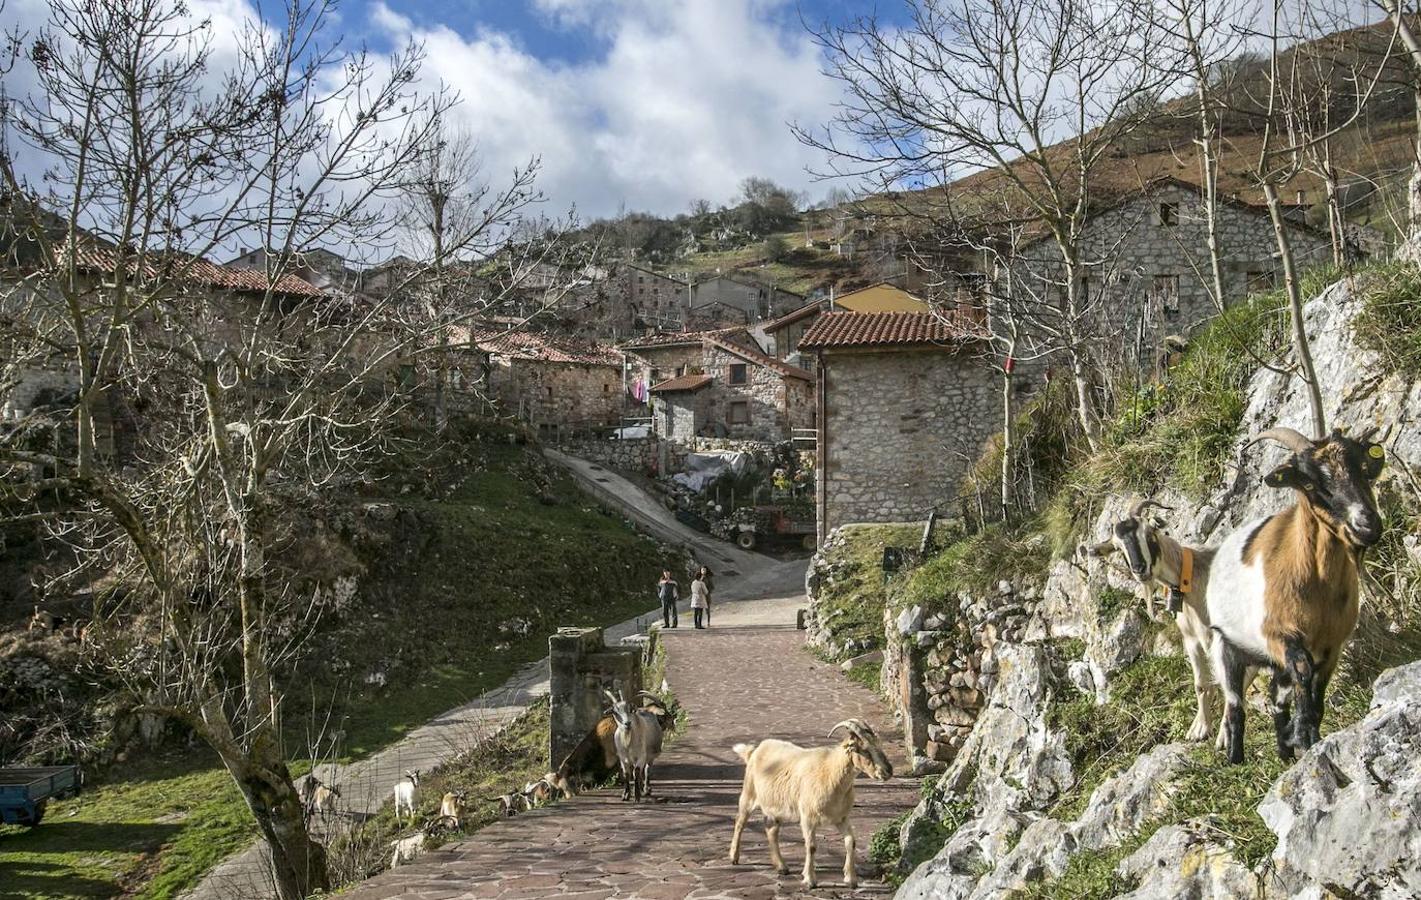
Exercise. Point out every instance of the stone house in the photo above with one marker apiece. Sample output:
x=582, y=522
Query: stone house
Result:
x=552, y=382
x=787, y=330
x=656, y=301
x=904, y=404
x=718, y=384
x=751, y=300
x=1152, y=277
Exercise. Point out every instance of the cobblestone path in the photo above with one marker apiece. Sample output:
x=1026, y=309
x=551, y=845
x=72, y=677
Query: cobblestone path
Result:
x=746, y=678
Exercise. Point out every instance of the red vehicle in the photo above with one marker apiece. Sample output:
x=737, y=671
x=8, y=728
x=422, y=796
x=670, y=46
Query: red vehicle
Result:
x=771, y=523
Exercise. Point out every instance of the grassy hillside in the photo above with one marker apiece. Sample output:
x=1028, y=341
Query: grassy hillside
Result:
x=467, y=554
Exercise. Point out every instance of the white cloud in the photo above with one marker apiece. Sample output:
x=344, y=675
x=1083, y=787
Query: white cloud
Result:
x=683, y=101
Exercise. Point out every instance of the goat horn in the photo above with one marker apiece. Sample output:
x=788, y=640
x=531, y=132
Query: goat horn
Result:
x=659, y=701
x=1292, y=439
x=1145, y=503
x=854, y=726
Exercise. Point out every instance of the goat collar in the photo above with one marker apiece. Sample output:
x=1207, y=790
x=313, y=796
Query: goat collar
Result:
x=1186, y=570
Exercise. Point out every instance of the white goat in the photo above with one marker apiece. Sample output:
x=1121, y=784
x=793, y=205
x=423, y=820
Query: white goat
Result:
x=1283, y=591
x=638, y=741
x=406, y=849
x=786, y=781
x=1157, y=560
x=405, y=793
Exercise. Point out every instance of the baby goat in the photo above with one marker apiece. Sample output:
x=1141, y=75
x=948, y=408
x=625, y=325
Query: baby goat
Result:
x=816, y=786
x=1159, y=561
x=1284, y=589
x=451, y=808
x=404, y=793
x=638, y=739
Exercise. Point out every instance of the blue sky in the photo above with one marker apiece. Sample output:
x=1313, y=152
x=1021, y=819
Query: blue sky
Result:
x=636, y=104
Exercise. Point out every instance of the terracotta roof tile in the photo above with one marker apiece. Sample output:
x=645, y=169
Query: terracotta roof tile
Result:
x=678, y=338
x=546, y=348
x=883, y=329
x=682, y=383
x=95, y=256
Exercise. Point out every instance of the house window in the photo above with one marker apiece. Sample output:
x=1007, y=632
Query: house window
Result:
x=606, y=388
x=655, y=376
x=738, y=373
x=550, y=392
x=1169, y=214
x=738, y=412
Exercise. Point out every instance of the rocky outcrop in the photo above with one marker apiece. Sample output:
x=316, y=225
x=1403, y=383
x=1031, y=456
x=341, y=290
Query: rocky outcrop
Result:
x=1347, y=815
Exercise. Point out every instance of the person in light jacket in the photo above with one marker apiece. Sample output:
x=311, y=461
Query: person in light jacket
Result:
x=669, y=592
x=700, y=599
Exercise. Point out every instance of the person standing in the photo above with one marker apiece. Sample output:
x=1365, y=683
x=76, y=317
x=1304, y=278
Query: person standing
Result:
x=669, y=593
x=705, y=576
x=700, y=599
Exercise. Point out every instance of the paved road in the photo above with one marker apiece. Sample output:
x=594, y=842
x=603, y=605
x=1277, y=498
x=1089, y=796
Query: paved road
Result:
x=738, y=575
x=745, y=678
x=366, y=785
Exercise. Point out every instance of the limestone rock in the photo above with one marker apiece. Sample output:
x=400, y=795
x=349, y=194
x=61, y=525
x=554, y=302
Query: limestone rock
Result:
x=1397, y=685
x=1121, y=805
x=1042, y=853
x=1184, y=861
x=1348, y=812
x=910, y=621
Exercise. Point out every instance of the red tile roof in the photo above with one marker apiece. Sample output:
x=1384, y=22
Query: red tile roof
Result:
x=682, y=383
x=761, y=359
x=678, y=338
x=93, y=256
x=884, y=329
x=546, y=348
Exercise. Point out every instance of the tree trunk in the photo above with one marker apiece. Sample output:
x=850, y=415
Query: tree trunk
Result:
x=1302, y=349
x=298, y=864
x=1008, y=430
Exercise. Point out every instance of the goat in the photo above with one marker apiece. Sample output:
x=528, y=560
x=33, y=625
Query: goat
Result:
x=541, y=791
x=1159, y=561
x=1283, y=591
x=451, y=808
x=592, y=761
x=404, y=793
x=638, y=740
x=510, y=803
x=323, y=801
x=406, y=849
x=816, y=785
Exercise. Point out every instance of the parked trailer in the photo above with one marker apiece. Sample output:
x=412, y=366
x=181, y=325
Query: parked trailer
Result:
x=24, y=793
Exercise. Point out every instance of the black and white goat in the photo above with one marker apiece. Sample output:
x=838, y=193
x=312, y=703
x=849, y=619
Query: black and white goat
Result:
x=1283, y=590
x=1159, y=562
x=638, y=740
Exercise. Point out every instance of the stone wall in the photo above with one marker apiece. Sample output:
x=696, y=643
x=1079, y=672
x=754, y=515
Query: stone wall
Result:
x=900, y=429
x=762, y=393
x=1155, y=281
x=636, y=455
x=547, y=394
x=580, y=667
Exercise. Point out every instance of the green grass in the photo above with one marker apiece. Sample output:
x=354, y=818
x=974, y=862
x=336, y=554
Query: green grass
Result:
x=977, y=563
x=868, y=675
x=484, y=533
x=502, y=763
x=851, y=607
x=1389, y=322
x=149, y=835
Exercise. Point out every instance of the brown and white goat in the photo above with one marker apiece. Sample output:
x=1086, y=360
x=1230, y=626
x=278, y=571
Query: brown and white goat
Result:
x=1158, y=561
x=591, y=762
x=452, y=807
x=814, y=785
x=1283, y=591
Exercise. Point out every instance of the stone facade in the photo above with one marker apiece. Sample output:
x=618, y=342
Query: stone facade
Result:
x=900, y=426
x=634, y=455
x=756, y=301
x=552, y=394
x=580, y=667
x=1154, y=279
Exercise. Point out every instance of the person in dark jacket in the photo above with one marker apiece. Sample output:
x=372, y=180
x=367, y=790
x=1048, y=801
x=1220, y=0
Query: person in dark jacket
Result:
x=669, y=593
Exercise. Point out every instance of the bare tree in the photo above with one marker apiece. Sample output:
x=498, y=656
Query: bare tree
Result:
x=1293, y=129
x=1037, y=92
x=203, y=409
